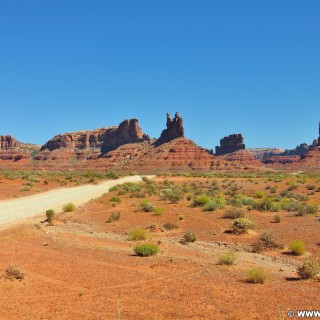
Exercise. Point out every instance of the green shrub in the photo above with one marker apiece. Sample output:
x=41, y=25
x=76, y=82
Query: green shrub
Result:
x=50, y=215
x=115, y=216
x=114, y=188
x=115, y=199
x=146, y=249
x=68, y=207
x=259, y=194
x=227, y=258
x=256, y=275
x=276, y=207
x=210, y=206
x=201, y=200
x=297, y=247
x=170, y=226
x=234, y=213
x=309, y=269
x=242, y=225
x=138, y=234
x=189, y=237
x=172, y=195
x=147, y=206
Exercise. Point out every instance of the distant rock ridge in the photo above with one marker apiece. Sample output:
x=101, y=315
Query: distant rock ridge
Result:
x=105, y=138
x=7, y=142
x=229, y=144
x=174, y=129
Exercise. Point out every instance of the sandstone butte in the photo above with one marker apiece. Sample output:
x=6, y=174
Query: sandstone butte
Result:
x=125, y=147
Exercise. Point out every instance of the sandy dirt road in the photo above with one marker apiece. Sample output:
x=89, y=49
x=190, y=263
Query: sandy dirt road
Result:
x=12, y=211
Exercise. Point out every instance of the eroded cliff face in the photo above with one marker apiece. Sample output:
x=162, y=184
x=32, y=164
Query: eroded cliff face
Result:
x=106, y=138
x=229, y=144
x=7, y=142
x=174, y=129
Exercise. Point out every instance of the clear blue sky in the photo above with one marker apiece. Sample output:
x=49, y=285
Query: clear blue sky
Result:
x=240, y=66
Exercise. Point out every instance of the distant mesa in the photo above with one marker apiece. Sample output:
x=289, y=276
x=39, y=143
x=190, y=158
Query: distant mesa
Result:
x=174, y=129
x=106, y=138
x=229, y=144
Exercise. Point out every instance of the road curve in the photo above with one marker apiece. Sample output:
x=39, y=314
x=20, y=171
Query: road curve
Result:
x=12, y=211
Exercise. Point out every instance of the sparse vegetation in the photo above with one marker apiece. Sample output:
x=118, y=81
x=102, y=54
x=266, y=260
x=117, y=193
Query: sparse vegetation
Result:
x=233, y=213
x=256, y=275
x=146, y=249
x=68, y=207
x=50, y=215
x=13, y=272
x=242, y=225
x=147, y=206
x=138, y=234
x=227, y=258
x=309, y=269
x=297, y=247
x=114, y=216
x=190, y=237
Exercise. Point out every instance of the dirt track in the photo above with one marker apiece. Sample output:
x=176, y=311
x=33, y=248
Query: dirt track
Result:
x=12, y=211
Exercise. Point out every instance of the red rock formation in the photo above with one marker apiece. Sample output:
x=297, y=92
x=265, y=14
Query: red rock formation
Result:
x=275, y=160
x=229, y=144
x=7, y=142
x=104, y=138
x=174, y=129
x=242, y=157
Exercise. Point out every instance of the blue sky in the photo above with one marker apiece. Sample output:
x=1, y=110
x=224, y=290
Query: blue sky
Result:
x=250, y=67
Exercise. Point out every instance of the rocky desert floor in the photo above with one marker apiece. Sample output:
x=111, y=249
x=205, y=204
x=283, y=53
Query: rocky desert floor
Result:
x=83, y=266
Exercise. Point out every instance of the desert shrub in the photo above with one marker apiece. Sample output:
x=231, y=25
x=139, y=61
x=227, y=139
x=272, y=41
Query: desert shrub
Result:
x=259, y=194
x=297, y=247
x=137, y=234
x=115, y=199
x=158, y=211
x=310, y=187
x=190, y=237
x=210, y=206
x=309, y=269
x=170, y=226
x=181, y=217
x=256, y=275
x=50, y=215
x=13, y=272
x=267, y=242
x=233, y=213
x=277, y=219
x=68, y=207
x=292, y=187
x=146, y=249
x=264, y=204
x=273, y=190
x=242, y=225
x=114, y=216
x=172, y=195
x=111, y=174
x=114, y=188
x=201, y=200
x=227, y=258
x=147, y=206
x=151, y=188
x=291, y=195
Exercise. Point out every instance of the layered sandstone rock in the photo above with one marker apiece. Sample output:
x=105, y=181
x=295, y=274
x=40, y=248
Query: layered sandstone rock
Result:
x=174, y=129
x=106, y=138
x=7, y=142
x=242, y=157
x=229, y=144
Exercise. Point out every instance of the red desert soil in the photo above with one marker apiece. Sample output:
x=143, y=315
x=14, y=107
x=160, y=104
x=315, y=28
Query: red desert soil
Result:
x=85, y=268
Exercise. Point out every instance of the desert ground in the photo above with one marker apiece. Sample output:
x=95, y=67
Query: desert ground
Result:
x=83, y=264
